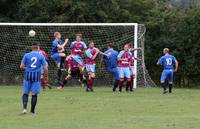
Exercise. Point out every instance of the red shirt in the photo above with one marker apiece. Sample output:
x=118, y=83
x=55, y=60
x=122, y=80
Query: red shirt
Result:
x=90, y=53
x=77, y=48
x=70, y=63
x=43, y=53
x=126, y=56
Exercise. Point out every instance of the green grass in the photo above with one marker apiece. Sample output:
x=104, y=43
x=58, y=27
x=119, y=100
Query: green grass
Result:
x=75, y=109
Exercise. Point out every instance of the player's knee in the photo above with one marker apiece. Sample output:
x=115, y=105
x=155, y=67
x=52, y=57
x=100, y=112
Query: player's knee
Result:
x=58, y=65
x=170, y=82
x=33, y=94
x=93, y=75
x=121, y=79
x=62, y=54
x=162, y=81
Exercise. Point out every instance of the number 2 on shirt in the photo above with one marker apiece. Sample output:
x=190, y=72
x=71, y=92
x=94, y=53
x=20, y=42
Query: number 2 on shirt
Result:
x=34, y=60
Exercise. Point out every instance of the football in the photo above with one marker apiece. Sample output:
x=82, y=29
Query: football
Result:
x=32, y=33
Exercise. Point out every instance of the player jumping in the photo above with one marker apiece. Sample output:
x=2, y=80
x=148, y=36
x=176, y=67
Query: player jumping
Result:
x=76, y=49
x=168, y=62
x=111, y=64
x=73, y=71
x=124, y=58
x=91, y=55
x=57, y=53
x=32, y=63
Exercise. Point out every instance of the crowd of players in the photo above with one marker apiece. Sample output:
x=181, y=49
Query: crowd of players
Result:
x=120, y=65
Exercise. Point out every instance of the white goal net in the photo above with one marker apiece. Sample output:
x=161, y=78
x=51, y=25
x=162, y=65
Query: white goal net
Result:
x=15, y=42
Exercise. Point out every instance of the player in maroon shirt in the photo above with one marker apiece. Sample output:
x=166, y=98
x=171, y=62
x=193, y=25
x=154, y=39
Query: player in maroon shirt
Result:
x=124, y=58
x=77, y=47
x=132, y=67
x=44, y=83
x=73, y=71
x=91, y=55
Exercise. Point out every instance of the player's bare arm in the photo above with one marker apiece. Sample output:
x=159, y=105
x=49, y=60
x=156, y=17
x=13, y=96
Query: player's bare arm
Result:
x=46, y=73
x=22, y=66
x=93, y=57
x=176, y=66
x=63, y=45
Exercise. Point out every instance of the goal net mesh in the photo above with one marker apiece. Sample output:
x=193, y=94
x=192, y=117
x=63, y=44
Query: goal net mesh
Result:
x=15, y=42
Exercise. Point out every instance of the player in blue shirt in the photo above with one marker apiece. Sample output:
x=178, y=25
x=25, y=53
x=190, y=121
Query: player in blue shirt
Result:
x=32, y=63
x=111, y=64
x=57, y=53
x=168, y=61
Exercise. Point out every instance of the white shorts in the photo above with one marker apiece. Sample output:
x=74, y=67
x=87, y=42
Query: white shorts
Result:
x=132, y=69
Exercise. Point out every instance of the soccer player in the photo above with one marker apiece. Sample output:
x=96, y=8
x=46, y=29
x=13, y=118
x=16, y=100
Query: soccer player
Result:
x=124, y=58
x=132, y=67
x=91, y=55
x=32, y=63
x=76, y=49
x=111, y=64
x=73, y=71
x=57, y=53
x=168, y=61
x=132, y=71
x=44, y=83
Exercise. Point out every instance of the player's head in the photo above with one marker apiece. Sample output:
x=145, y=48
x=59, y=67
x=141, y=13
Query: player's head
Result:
x=91, y=44
x=110, y=46
x=35, y=47
x=126, y=47
x=166, y=50
x=78, y=37
x=57, y=35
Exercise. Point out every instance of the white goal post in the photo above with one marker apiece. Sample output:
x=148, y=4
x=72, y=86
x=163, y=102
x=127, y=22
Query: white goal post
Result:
x=138, y=36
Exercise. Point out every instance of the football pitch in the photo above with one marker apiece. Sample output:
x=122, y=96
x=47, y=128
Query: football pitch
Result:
x=73, y=108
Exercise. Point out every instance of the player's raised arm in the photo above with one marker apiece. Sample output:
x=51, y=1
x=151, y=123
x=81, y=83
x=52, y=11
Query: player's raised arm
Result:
x=64, y=44
x=100, y=52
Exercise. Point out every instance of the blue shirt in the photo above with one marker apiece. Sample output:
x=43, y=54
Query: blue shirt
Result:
x=33, y=62
x=55, y=43
x=111, y=62
x=167, y=61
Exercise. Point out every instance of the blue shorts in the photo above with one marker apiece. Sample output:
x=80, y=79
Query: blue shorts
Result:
x=33, y=87
x=42, y=69
x=90, y=68
x=167, y=75
x=78, y=59
x=115, y=72
x=56, y=57
x=124, y=72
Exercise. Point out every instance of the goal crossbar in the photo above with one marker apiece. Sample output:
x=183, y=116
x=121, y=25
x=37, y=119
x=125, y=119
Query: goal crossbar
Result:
x=68, y=24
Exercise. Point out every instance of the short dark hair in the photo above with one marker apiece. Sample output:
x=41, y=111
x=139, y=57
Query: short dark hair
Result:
x=90, y=41
x=111, y=45
x=35, y=45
